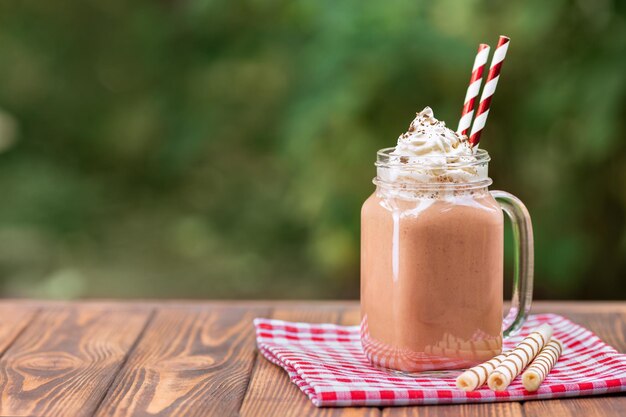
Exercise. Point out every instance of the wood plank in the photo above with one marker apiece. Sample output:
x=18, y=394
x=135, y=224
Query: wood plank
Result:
x=538, y=305
x=13, y=320
x=191, y=361
x=64, y=361
x=511, y=409
x=271, y=393
x=351, y=315
x=609, y=406
x=560, y=307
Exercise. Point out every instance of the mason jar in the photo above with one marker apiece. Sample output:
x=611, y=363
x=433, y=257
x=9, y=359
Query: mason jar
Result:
x=432, y=249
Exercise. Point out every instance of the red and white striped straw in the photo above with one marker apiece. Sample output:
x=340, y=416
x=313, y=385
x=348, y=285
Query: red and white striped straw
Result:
x=476, y=80
x=490, y=88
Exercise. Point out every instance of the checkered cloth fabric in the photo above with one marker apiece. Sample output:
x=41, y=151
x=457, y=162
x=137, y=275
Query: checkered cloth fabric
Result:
x=327, y=363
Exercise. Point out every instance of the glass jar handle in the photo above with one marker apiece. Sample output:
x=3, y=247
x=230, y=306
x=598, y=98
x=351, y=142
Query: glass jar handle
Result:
x=523, y=261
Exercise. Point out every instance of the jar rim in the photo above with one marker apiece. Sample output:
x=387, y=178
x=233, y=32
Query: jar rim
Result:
x=385, y=159
x=434, y=186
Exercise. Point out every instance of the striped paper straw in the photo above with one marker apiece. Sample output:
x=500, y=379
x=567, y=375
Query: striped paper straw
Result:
x=490, y=88
x=476, y=79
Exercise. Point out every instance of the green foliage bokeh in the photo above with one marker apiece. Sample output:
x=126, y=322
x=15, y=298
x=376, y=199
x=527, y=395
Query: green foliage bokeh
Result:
x=213, y=148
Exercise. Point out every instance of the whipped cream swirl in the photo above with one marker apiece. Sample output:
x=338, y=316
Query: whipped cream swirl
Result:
x=429, y=152
x=428, y=136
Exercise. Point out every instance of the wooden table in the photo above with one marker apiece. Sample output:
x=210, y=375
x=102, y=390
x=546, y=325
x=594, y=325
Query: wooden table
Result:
x=199, y=359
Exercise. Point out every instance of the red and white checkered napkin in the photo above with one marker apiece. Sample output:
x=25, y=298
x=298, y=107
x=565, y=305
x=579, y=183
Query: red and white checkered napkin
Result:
x=327, y=363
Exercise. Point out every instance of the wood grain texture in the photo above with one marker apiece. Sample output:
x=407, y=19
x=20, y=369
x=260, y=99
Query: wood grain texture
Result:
x=191, y=358
x=609, y=406
x=191, y=361
x=64, y=361
x=271, y=392
x=464, y=410
x=13, y=319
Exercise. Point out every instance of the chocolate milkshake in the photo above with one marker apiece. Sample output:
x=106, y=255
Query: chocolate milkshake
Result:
x=431, y=254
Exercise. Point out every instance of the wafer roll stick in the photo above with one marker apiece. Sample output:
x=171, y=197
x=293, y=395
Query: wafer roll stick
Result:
x=519, y=358
x=475, y=377
x=542, y=365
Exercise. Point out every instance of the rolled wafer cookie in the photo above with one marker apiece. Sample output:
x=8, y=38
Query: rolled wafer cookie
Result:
x=542, y=365
x=518, y=358
x=475, y=377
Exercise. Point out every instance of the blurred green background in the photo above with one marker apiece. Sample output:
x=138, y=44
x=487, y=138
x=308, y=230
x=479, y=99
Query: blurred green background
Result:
x=214, y=148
